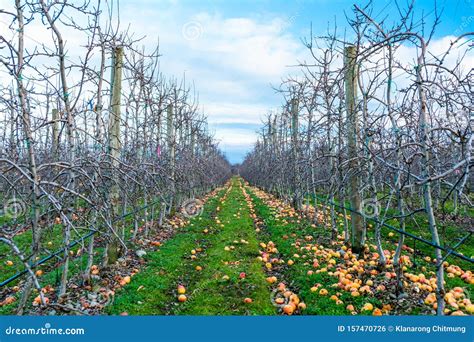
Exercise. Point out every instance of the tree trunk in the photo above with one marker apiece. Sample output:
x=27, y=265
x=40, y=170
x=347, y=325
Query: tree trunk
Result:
x=113, y=251
x=358, y=227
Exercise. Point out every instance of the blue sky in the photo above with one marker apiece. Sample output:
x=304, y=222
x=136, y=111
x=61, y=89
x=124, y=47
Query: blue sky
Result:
x=235, y=51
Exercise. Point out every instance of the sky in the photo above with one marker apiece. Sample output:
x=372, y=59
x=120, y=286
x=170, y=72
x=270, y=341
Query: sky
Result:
x=237, y=52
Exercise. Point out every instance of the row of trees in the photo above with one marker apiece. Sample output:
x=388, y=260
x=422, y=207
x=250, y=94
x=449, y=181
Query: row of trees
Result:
x=80, y=148
x=377, y=122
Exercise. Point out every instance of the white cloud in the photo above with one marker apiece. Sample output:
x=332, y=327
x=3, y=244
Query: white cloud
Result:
x=235, y=138
x=229, y=112
x=232, y=61
x=259, y=49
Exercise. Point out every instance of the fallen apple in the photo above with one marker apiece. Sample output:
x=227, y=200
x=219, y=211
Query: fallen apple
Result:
x=367, y=307
x=295, y=299
x=271, y=280
x=288, y=309
x=279, y=300
x=377, y=312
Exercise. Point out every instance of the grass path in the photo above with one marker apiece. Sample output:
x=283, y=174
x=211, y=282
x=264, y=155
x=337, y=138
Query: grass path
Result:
x=214, y=258
x=332, y=281
x=248, y=252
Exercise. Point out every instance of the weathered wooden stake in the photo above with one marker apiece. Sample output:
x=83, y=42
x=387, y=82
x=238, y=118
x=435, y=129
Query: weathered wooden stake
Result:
x=114, y=143
x=55, y=114
x=358, y=227
x=295, y=152
x=171, y=144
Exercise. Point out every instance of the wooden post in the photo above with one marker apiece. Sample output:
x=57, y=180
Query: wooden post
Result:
x=295, y=143
x=170, y=129
x=170, y=133
x=114, y=143
x=171, y=138
x=193, y=139
x=55, y=114
x=427, y=196
x=358, y=227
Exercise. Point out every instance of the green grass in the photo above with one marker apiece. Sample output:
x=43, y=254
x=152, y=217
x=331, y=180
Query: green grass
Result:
x=297, y=276
x=153, y=291
x=51, y=241
x=226, y=216
x=449, y=232
x=52, y=278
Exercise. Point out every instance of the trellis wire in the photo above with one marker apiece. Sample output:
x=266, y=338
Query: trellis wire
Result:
x=72, y=244
x=450, y=251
